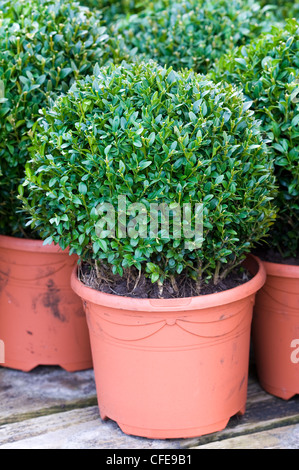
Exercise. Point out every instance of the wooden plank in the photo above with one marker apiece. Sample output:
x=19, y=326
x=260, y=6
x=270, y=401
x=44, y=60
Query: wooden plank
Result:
x=286, y=437
x=42, y=391
x=83, y=429
x=76, y=429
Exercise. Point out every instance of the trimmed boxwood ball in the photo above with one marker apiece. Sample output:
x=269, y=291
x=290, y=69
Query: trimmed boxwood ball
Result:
x=192, y=33
x=155, y=136
x=44, y=46
x=268, y=72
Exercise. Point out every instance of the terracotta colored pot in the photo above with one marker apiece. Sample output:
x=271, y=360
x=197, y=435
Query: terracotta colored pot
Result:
x=275, y=331
x=171, y=368
x=42, y=321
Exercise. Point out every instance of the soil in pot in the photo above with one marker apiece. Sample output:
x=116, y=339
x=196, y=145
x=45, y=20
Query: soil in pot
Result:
x=273, y=256
x=143, y=288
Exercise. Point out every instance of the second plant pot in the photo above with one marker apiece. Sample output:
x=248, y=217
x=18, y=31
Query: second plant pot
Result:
x=276, y=331
x=171, y=368
x=42, y=321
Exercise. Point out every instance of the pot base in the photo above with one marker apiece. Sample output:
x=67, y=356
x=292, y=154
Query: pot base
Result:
x=174, y=433
x=278, y=392
x=29, y=366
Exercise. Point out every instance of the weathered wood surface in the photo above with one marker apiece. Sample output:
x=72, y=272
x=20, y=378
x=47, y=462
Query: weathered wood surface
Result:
x=49, y=408
x=286, y=437
x=43, y=391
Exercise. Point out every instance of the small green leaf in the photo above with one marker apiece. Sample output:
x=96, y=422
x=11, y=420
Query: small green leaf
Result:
x=82, y=188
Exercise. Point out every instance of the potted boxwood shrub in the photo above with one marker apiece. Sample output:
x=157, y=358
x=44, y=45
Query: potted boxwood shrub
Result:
x=192, y=33
x=132, y=142
x=44, y=46
x=268, y=72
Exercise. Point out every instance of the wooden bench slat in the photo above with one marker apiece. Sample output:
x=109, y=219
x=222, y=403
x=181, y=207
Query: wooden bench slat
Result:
x=76, y=429
x=286, y=437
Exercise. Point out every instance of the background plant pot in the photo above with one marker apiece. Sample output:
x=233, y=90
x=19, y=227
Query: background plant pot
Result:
x=275, y=330
x=171, y=368
x=42, y=321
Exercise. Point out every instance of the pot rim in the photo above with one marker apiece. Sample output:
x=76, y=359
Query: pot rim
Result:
x=281, y=270
x=180, y=304
x=27, y=244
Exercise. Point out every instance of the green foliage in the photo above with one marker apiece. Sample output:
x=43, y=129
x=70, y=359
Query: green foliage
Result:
x=155, y=136
x=44, y=46
x=110, y=9
x=283, y=8
x=192, y=33
x=268, y=72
